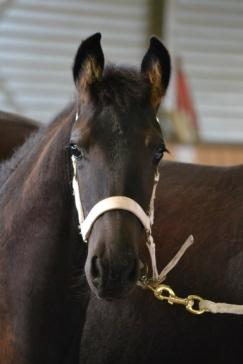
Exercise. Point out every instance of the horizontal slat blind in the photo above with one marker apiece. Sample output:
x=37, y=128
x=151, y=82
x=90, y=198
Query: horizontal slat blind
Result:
x=208, y=36
x=38, y=41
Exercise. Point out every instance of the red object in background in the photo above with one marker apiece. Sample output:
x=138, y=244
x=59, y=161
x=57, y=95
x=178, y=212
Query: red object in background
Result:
x=184, y=101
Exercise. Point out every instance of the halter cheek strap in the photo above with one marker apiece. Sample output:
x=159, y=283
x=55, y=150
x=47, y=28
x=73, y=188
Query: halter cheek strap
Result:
x=76, y=193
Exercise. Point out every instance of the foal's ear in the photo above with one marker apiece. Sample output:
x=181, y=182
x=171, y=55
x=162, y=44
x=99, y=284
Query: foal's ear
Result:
x=156, y=66
x=88, y=63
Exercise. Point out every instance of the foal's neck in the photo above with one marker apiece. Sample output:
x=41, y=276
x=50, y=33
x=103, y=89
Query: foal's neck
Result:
x=44, y=257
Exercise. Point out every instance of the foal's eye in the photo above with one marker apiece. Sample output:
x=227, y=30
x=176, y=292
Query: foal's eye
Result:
x=75, y=151
x=158, y=155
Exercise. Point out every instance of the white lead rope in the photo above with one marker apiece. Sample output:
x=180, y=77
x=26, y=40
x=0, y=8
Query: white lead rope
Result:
x=221, y=307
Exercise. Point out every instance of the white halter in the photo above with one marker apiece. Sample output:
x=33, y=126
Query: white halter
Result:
x=126, y=203
x=117, y=203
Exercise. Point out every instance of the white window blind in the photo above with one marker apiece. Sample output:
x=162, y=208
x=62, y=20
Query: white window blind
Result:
x=208, y=36
x=38, y=41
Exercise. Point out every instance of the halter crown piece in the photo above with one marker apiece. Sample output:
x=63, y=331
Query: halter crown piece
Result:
x=117, y=203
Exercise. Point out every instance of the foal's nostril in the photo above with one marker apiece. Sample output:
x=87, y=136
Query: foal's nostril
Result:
x=96, y=271
x=109, y=277
x=94, y=267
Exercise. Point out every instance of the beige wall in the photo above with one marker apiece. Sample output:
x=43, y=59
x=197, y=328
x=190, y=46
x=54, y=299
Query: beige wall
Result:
x=224, y=155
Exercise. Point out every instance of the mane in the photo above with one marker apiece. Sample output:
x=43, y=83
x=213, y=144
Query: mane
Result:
x=9, y=166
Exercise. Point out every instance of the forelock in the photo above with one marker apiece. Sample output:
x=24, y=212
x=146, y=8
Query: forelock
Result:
x=122, y=87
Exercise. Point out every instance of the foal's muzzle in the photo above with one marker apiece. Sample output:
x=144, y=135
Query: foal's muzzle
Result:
x=113, y=280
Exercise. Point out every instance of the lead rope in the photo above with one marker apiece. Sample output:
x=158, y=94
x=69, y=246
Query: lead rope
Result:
x=193, y=303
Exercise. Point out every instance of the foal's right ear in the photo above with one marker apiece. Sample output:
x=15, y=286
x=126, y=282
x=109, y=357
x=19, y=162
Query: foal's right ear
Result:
x=88, y=63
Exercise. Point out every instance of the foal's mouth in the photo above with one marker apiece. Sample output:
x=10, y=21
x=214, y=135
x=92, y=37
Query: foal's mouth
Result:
x=110, y=298
x=114, y=295
x=115, y=290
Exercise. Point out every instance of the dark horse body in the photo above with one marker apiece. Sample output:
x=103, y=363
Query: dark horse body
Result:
x=112, y=134
x=41, y=255
x=14, y=130
x=191, y=199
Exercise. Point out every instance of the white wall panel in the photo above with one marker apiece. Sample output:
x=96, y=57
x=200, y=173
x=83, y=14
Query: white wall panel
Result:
x=38, y=41
x=208, y=36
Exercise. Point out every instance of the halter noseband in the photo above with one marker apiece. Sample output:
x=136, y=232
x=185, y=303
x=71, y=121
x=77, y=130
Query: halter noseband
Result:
x=113, y=203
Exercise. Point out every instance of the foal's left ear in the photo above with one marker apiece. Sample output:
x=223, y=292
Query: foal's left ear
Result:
x=156, y=66
x=89, y=62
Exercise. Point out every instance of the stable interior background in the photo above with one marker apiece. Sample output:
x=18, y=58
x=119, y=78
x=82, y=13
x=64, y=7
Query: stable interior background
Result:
x=202, y=116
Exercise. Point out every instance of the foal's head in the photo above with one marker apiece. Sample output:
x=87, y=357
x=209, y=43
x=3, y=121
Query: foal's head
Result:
x=117, y=144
